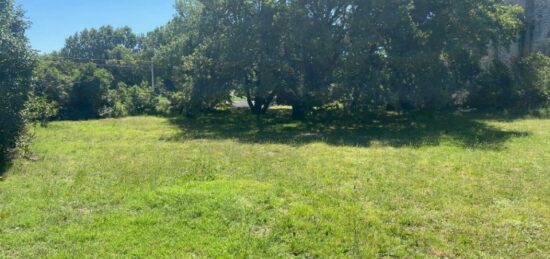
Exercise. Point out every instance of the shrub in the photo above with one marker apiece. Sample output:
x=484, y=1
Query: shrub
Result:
x=40, y=110
x=115, y=110
x=494, y=89
x=532, y=75
x=523, y=86
x=89, y=93
x=140, y=99
x=135, y=100
x=52, y=81
x=164, y=106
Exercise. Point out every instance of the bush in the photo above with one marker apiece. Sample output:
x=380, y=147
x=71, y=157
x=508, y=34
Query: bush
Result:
x=116, y=110
x=140, y=99
x=135, y=100
x=53, y=81
x=40, y=110
x=89, y=93
x=164, y=106
x=532, y=75
x=494, y=89
x=523, y=86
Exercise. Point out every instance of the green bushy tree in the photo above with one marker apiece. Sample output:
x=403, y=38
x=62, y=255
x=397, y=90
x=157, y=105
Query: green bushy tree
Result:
x=95, y=44
x=17, y=61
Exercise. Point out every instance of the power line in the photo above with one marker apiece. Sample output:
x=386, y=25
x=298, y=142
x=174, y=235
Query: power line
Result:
x=90, y=59
x=145, y=64
x=125, y=65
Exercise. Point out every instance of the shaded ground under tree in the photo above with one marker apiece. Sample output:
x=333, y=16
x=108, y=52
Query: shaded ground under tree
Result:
x=410, y=130
x=4, y=166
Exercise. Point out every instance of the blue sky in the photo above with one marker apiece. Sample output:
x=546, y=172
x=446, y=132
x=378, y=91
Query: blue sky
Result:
x=54, y=20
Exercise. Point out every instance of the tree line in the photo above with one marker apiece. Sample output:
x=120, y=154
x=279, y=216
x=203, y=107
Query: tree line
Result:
x=356, y=56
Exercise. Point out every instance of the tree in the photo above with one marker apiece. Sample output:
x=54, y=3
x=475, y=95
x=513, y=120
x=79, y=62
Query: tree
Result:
x=95, y=44
x=168, y=44
x=17, y=61
x=255, y=51
x=421, y=54
x=206, y=80
x=118, y=50
x=368, y=55
x=126, y=66
x=314, y=49
x=261, y=49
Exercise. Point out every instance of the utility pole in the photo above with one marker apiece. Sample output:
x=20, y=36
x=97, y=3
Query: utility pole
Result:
x=153, y=69
x=153, y=74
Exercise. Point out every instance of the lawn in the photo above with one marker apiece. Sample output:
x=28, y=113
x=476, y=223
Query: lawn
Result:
x=232, y=185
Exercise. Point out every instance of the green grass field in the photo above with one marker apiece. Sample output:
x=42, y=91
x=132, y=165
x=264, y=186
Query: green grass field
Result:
x=225, y=185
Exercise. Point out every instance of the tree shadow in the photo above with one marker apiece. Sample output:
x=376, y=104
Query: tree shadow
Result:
x=5, y=164
x=411, y=130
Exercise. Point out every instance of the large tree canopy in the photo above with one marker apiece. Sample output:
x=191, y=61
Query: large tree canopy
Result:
x=366, y=54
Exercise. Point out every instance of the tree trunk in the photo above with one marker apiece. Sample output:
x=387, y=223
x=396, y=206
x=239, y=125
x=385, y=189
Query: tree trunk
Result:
x=260, y=105
x=298, y=111
x=255, y=106
x=256, y=109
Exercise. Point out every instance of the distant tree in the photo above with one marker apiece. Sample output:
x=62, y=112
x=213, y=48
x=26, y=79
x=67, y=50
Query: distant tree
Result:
x=127, y=66
x=168, y=44
x=17, y=61
x=118, y=50
x=95, y=44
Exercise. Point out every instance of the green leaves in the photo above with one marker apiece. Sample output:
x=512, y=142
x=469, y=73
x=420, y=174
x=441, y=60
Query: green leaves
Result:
x=363, y=55
x=17, y=61
x=95, y=44
x=366, y=54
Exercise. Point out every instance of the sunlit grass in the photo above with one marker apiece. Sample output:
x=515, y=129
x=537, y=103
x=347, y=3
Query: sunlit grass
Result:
x=227, y=185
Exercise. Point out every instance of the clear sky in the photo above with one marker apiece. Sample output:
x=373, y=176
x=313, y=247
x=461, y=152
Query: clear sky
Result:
x=54, y=20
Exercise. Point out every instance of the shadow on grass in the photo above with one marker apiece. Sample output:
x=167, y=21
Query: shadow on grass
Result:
x=4, y=166
x=413, y=130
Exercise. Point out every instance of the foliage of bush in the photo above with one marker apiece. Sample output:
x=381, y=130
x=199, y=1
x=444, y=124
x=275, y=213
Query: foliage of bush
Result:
x=522, y=86
x=39, y=109
x=88, y=94
x=163, y=105
x=533, y=81
x=85, y=91
x=131, y=100
x=494, y=89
